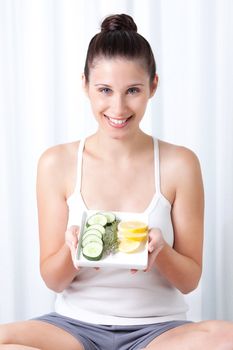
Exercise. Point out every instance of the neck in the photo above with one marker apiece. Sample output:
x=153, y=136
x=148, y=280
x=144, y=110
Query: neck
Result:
x=121, y=150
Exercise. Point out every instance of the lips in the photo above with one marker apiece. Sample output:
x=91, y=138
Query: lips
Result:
x=118, y=122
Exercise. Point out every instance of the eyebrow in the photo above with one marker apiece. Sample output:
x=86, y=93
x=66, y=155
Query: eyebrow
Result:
x=136, y=84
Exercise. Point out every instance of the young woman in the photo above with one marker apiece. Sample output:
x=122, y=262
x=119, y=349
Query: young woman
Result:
x=120, y=168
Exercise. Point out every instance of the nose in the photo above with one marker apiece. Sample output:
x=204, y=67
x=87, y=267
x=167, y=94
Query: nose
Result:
x=118, y=105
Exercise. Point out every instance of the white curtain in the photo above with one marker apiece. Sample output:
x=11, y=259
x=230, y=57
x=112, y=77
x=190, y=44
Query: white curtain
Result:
x=42, y=51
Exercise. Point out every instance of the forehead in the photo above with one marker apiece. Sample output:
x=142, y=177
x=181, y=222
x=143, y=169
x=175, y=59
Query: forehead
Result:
x=117, y=70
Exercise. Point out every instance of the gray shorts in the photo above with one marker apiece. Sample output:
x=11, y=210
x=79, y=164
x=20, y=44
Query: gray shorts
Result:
x=105, y=337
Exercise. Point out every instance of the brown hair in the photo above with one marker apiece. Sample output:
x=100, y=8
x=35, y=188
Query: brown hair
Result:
x=119, y=38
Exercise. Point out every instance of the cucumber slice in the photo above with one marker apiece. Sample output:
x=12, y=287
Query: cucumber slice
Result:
x=97, y=227
x=109, y=216
x=97, y=219
x=93, y=251
x=92, y=232
x=91, y=238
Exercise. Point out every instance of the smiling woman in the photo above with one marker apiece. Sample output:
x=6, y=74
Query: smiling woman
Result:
x=119, y=90
x=120, y=169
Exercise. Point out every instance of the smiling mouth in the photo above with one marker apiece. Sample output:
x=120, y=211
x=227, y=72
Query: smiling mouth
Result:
x=118, y=122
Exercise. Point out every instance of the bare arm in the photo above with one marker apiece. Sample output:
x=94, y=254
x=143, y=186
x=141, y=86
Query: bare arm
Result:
x=182, y=263
x=56, y=265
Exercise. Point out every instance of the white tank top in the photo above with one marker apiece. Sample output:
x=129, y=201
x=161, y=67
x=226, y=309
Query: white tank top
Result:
x=114, y=296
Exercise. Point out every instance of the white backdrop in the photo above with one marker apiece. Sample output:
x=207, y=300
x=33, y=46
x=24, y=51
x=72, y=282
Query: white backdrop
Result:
x=42, y=51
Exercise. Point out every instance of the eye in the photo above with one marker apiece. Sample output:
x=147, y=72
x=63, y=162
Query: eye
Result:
x=133, y=90
x=105, y=90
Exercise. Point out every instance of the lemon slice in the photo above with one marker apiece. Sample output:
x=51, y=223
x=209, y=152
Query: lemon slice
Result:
x=135, y=236
x=128, y=246
x=132, y=226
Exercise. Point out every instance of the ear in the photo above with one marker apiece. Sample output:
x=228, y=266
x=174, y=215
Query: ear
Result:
x=154, y=85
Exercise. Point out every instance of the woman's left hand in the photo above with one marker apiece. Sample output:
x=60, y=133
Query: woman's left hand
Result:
x=155, y=245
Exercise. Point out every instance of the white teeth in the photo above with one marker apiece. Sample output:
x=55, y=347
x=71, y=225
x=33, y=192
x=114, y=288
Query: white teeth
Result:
x=118, y=121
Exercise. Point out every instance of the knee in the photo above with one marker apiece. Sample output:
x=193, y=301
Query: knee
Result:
x=221, y=333
x=4, y=334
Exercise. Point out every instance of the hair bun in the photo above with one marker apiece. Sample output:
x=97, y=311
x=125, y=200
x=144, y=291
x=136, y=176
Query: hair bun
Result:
x=118, y=22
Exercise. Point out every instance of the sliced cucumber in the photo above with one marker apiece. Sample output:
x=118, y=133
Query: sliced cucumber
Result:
x=97, y=227
x=97, y=219
x=92, y=232
x=93, y=251
x=91, y=238
x=109, y=216
x=94, y=244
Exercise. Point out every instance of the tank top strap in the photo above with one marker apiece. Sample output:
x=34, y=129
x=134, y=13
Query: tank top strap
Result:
x=157, y=165
x=79, y=164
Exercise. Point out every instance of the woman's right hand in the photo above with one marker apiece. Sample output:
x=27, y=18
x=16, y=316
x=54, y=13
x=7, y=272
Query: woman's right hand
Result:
x=71, y=239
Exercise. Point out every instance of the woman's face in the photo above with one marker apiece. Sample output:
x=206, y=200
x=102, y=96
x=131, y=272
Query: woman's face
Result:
x=119, y=90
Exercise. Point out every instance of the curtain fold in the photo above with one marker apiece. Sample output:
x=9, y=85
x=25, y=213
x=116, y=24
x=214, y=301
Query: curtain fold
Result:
x=43, y=46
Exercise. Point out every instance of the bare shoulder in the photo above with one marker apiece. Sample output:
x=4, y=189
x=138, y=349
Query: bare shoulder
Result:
x=57, y=164
x=179, y=158
x=58, y=155
x=179, y=166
